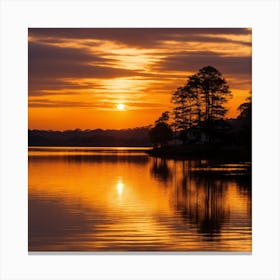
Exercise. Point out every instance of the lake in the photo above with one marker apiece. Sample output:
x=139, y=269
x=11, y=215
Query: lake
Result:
x=121, y=199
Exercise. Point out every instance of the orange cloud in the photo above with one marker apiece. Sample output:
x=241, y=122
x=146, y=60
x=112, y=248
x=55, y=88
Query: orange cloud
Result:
x=77, y=76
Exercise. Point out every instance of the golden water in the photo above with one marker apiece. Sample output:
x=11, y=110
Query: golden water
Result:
x=120, y=199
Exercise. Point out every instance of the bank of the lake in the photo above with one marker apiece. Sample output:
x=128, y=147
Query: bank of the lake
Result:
x=203, y=151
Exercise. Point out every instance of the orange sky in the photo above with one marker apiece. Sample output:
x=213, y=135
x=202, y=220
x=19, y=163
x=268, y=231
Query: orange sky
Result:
x=78, y=76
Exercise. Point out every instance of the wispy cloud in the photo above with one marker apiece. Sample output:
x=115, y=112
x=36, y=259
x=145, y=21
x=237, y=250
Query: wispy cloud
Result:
x=96, y=67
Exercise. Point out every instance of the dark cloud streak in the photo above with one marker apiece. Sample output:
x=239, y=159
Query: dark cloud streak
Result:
x=232, y=65
x=57, y=62
x=142, y=37
x=47, y=103
x=49, y=65
x=55, y=68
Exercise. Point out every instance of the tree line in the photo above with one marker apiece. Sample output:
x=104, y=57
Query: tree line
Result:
x=133, y=137
x=198, y=109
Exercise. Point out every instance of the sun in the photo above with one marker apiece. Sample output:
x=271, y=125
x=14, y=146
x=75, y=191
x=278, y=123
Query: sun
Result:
x=120, y=106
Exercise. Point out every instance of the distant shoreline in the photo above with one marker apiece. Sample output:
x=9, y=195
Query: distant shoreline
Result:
x=91, y=146
x=137, y=137
x=180, y=152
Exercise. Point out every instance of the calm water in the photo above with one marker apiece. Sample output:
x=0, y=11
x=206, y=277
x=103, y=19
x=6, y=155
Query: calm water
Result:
x=120, y=199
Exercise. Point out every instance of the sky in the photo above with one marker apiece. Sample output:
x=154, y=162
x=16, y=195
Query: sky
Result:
x=78, y=77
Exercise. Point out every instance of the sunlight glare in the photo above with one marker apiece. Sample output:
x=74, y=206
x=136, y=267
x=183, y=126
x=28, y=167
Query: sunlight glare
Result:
x=120, y=106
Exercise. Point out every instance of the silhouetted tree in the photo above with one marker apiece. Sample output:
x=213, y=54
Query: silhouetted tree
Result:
x=185, y=112
x=185, y=101
x=212, y=91
x=163, y=118
x=161, y=132
x=246, y=109
x=245, y=117
x=200, y=101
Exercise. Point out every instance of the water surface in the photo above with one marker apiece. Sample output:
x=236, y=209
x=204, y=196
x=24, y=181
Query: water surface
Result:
x=121, y=199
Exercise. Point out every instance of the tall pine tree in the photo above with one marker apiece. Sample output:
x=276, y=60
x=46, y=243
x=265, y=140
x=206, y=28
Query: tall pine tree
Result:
x=212, y=92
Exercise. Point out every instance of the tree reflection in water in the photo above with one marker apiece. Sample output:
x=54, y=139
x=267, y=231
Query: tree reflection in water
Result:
x=160, y=170
x=123, y=200
x=202, y=199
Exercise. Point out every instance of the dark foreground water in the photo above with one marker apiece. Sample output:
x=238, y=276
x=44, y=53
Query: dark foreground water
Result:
x=120, y=199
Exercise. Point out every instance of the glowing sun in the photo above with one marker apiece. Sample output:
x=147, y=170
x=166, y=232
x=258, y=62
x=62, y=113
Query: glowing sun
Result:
x=120, y=106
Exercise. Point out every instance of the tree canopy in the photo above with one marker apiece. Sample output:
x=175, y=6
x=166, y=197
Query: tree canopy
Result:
x=201, y=99
x=161, y=132
x=246, y=109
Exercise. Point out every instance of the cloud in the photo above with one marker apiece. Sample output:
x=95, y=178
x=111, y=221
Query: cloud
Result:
x=55, y=86
x=193, y=61
x=47, y=103
x=95, y=67
x=57, y=62
x=144, y=105
x=142, y=37
x=98, y=104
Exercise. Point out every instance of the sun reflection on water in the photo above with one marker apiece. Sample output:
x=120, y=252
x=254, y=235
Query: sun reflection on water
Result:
x=116, y=201
x=119, y=188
